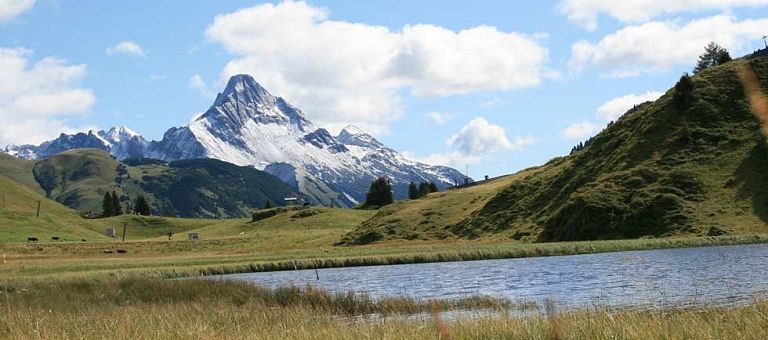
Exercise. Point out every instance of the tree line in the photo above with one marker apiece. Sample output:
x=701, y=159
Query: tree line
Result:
x=424, y=188
x=380, y=192
x=110, y=206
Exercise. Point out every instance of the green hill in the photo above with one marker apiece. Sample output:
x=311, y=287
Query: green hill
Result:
x=190, y=188
x=19, y=220
x=671, y=167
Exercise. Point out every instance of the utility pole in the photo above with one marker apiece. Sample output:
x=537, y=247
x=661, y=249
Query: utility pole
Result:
x=38, y=208
x=125, y=225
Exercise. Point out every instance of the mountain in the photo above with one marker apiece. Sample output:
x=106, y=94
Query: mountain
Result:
x=188, y=188
x=248, y=126
x=686, y=164
x=119, y=141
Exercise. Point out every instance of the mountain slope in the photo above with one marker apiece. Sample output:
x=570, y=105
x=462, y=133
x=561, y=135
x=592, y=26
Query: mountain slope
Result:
x=189, y=188
x=665, y=168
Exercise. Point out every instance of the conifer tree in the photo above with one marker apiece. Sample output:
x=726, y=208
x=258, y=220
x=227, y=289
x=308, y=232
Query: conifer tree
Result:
x=423, y=189
x=379, y=194
x=107, y=206
x=117, y=209
x=433, y=187
x=714, y=55
x=413, y=191
x=268, y=204
x=141, y=207
x=683, y=90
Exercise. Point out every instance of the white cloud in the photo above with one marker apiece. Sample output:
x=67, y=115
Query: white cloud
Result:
x=475, y=141
x=128, y=48
x=584, y=13
x=10, y=9
x=614, y=108
x=438, y=118
x=608, y=111
x=158, y=77
x=36, y=99
x=580, y=130
x=479, y=137
x=657, y=46
x=344, y=72
x=196, y=82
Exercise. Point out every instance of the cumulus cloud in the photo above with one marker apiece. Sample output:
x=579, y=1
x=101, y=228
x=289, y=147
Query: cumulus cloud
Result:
x=129, y=48
x=197, y=83
x=475, y=141
x=659, y=45
x=35, y=99
x=343, y=72
x=584, y=13
x=614, y=108
x=10, y=9
x=437, y=118
x=579, y=130
x=608, y=111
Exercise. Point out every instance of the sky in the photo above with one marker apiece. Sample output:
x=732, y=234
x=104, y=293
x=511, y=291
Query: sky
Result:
x=492, y=86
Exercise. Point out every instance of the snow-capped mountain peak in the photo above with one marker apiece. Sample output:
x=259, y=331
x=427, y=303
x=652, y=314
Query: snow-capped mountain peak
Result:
x=247, y=125
x=118, y=133
x=354, y=136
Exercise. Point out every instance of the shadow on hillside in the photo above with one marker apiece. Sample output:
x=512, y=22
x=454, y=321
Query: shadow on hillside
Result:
x=751, y=181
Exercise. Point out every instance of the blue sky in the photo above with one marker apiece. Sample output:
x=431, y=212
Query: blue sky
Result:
x=498, y=85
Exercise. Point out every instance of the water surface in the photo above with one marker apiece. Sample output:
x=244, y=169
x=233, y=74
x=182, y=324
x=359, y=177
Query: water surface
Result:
x=724, y=275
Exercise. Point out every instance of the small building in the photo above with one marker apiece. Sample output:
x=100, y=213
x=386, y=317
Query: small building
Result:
x=291, y=200
x=110, y=232
x=194, y=236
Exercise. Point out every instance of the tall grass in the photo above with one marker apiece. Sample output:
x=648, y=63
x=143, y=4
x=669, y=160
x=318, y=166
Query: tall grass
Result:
x=140, y=308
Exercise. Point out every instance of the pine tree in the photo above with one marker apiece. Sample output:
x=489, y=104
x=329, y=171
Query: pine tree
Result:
x=433, y=187
x=683, y=90
x=423, y=189
x=379, y=194
x=413, y=191
x=141, y=207
x=117, y=209
x=107, y=206
x=714, y=55
x=268, y=204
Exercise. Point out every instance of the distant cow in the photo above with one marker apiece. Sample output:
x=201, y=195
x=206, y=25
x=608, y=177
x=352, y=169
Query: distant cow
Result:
x=84, y=240
x=54, y=238
x=31, y=239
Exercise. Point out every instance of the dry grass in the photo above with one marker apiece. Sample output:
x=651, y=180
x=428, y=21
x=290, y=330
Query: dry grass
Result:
x=156, y=309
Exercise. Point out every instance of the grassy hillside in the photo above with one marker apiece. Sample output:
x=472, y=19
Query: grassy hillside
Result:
x=18, y=216
x=20, y=170
x=665, y=168
x=190, y=188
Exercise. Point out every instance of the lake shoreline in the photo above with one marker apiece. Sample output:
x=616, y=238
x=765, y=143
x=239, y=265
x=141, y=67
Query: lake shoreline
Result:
x=515, y=251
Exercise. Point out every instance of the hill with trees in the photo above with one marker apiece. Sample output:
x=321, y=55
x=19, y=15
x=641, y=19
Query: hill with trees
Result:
x=693, y=162
x=83, y=178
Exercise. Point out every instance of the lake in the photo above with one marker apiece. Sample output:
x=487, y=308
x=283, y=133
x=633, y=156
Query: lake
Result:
x=720, y=276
